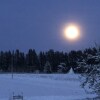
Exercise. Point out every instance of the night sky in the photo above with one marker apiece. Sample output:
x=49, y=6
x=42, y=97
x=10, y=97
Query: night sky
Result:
x=38, y=24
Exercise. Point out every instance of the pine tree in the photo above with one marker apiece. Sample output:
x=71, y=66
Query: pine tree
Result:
x=42, y=60
x=32, y=61
x=91, y=77
x=47, y=67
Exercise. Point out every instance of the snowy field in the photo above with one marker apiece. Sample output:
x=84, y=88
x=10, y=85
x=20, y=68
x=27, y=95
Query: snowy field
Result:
x=42, y=87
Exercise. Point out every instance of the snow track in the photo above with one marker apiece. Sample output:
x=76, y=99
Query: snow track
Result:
x=42, y=86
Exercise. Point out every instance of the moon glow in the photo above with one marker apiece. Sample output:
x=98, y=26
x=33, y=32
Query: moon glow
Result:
x=71, y=32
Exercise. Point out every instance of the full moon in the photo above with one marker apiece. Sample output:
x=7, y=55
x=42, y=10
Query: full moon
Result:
x=71, y=32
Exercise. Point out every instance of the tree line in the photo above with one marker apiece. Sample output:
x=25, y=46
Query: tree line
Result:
x=45, y=62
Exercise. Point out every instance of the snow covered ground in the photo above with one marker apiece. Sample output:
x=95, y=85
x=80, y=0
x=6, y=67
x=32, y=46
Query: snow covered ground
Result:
x=42, y=86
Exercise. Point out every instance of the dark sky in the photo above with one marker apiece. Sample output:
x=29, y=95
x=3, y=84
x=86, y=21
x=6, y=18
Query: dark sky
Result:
x=37, y=24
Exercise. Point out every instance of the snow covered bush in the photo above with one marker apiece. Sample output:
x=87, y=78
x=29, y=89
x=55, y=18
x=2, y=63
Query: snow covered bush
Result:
x=61, y=68
x=91, y=78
